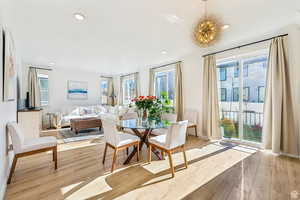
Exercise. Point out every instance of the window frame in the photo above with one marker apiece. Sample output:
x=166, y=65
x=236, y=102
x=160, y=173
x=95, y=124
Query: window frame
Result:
x=43, y=76
x=223, y=89
x=123, y=81
x=167, y=69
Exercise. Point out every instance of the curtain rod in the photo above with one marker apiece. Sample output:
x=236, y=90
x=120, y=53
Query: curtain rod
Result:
x=244, y=45
x=129, y=74
x=166, y=64
x=106, y=77
x=40, y=68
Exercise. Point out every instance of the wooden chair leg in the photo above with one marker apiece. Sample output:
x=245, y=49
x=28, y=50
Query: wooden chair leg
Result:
x=138, y=151
x=171, y=164
x=184, y=156
x=149, y=153
x=104, y=154
x=162, y=154
x=196, y=131
x=55, y=156
x=114, y=160
x=13, y=167
x=127, y=151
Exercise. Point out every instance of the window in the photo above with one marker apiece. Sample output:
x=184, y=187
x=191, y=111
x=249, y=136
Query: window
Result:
x=164, y=82
x=261, y=94
x=104, y=91
x=237, y=71
x=223, y=94
x=246, y=94
x=236, y=94
x=223, y=74
x=128, y=89
x=44, y=89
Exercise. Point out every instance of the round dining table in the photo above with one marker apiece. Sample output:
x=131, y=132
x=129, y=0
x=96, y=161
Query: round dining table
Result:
x=143, y=130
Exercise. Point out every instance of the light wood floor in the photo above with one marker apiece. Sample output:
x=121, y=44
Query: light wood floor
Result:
x=260, y=176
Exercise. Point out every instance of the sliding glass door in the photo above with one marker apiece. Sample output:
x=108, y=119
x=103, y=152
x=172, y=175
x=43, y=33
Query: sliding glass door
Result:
x=241, y=83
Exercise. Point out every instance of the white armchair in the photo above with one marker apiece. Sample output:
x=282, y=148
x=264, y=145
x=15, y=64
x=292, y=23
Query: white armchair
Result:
x=173, y=140
x=117, y=140
x=191, y=116
x=171, y=117
x=29, y=147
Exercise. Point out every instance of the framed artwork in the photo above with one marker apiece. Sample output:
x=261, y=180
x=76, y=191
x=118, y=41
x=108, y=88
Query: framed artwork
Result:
x=78, y=90
x=9, y=67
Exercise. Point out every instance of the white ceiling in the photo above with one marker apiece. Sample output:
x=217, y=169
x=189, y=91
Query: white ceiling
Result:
x=120, y=36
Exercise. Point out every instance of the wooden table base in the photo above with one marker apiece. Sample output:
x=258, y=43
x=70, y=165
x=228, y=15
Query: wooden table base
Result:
x=144, y=140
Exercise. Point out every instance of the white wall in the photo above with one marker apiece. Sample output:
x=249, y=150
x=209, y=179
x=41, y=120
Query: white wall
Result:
x=8, y=111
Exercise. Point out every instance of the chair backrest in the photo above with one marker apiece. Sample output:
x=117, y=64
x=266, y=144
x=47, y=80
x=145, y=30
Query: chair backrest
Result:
x=176, y=134
x=17, y=136
x=191, y=116
x=110, y=131
x=171, y=117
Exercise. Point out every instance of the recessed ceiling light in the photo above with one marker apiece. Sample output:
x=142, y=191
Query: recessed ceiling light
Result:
x=163, y=52
x=51, y=64
x=225, y=26
x=79, y=16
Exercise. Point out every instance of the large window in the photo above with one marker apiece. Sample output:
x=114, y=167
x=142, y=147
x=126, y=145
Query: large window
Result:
x=128, y=88
x=164, y=82
x=44, y=89
x=242, y=113
x=104, y=91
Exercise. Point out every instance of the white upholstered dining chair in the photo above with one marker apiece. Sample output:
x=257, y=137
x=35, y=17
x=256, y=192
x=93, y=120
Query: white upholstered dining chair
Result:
x=117, y=140
x=26, y=147
x=173, y=140
x=191, y=116
x=171, y=117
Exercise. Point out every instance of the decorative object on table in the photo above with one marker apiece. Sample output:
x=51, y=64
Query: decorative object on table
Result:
x=78, y=90
x=207, y=30
x=143, y=104
x=9, y=67
x=160, y=106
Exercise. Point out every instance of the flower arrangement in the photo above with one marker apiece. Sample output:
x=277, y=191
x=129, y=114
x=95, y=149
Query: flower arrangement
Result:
x=151, y=107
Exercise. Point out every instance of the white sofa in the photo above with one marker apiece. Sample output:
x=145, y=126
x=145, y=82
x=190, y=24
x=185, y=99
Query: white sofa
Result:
x=82, y=112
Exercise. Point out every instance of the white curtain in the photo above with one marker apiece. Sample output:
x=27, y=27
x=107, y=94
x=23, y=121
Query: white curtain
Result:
x=110, y=92
x=279, y=132
x=178, y=93
x=33, y=88
x=210, y=99
x=151, y=82
x=137, y=84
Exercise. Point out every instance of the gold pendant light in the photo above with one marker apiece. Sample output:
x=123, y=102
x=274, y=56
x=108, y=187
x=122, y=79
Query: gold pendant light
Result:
x=207, y=30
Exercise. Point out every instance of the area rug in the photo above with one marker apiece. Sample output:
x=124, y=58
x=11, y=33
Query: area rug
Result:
x=153, y=181
x=70, y=136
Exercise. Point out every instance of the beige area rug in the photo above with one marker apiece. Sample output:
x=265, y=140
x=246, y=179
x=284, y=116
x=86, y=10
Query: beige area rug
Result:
x=152, y=181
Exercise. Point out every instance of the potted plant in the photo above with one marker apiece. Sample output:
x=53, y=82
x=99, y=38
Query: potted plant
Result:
x=143, y=104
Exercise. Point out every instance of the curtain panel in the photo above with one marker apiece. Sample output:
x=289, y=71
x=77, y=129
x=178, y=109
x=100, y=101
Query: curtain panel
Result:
x=179, y=93
x=210, y=99
x=33, y=88
x=110, y=92
x=279, y=130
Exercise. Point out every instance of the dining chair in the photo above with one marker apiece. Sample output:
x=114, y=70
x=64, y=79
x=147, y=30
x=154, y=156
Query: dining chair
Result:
x=26, y=147
x=191, y=116
x=117, y=140
x=170, y=142
x=171, y=117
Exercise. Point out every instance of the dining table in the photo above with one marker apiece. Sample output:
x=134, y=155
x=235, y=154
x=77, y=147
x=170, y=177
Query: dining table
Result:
x=142, y=129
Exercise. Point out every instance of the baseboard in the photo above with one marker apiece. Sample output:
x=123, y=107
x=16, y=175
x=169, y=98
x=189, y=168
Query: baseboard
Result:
x=3, y=190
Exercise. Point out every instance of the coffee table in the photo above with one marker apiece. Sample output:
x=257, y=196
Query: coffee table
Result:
x=86, y=123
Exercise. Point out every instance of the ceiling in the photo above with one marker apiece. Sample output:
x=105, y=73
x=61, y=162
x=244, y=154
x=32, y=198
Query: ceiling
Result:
x=120, y=36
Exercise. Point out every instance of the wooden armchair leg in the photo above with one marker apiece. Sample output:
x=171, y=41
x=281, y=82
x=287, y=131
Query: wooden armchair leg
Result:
x=114, y=160
x=13, y=167
x=196, y=131
x=171, y=164
x=104, y=154
x=54, y=151
x=184, y=156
